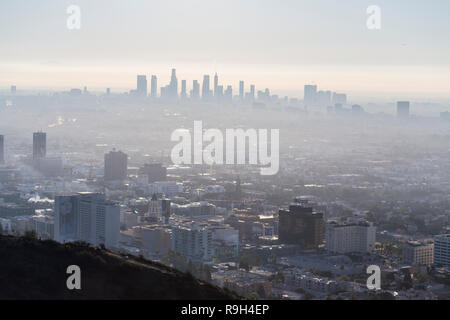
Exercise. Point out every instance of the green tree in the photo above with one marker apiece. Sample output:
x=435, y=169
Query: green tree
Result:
x=308, y=295
x=30, y=234
x=253, y=296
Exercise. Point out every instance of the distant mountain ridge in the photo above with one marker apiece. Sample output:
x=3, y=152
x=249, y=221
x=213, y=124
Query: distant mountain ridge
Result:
x=36, y=270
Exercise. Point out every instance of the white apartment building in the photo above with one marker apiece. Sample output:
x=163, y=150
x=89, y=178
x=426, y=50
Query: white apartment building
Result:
x=87, y=217
x=442, y=250
x=356, y=237
x=418, y=253
x=169, y=188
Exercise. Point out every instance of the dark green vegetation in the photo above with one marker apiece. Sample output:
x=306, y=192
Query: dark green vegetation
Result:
x=33, y=269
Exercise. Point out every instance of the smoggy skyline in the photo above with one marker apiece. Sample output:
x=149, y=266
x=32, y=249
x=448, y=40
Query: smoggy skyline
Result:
x=280, y=45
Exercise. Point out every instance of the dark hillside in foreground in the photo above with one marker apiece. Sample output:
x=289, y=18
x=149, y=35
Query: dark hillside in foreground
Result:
x=33, y=269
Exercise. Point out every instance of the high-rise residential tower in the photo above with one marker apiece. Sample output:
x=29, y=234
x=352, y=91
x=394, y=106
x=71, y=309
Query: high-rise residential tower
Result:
x=39, y=145
x=350, y=237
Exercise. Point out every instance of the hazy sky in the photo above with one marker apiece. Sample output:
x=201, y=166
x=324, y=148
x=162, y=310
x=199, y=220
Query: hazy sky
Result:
x=280, y=44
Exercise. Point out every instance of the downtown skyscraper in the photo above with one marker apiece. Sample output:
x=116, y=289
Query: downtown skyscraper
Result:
x=310, y=93
x=216, y=85
x=154, y=87
x=206, y=92
x=141, y=86
x=183, y=93
x=87, y=217
x=39, y=145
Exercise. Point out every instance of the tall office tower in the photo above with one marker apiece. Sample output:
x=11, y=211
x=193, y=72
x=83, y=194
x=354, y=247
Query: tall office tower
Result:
x=154, y=87
x=216, y=84
x=301, y=225
x=205, y=87
x=204, y=242
x=192, y=241
x=108, y=91
x=418, y=253
x=141, y=86
x=39, y=145
x=195, y=92
x=350, y=237
x=163, y=92
x=442, y=250
x=229, y=94
x=252, y=92
x=13, y=89
x=403, y=109
x=183, y=89
x=310, y=95
x=173, y=86
x=267, y=94
x=87, y=217
x=357, y=109
x=165, y=210
x=323, y=98
x=2, y=149
x=116, y=163
x=241, y=90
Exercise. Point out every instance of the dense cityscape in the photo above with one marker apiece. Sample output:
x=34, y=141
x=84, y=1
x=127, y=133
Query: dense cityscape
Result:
x=358, y=186
x=225, y=159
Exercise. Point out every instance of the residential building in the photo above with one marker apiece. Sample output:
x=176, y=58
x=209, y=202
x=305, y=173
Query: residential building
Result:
x=358, y=237
x=87, y=217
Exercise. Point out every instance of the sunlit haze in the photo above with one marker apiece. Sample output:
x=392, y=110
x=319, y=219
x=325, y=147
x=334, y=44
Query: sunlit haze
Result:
x=277, y=44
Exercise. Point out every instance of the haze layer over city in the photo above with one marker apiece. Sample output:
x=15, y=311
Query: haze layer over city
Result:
x=276, y=149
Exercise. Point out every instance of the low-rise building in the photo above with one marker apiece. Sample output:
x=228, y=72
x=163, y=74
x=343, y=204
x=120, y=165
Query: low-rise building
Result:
x=356, y=237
